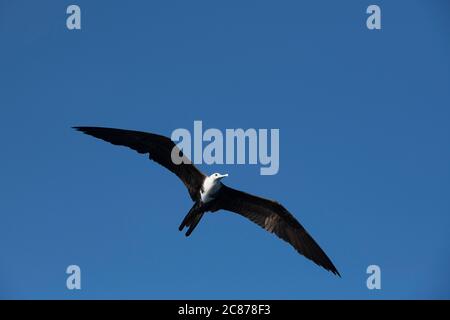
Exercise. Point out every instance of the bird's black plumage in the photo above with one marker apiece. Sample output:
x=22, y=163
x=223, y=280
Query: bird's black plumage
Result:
x=159, y=149
x=268, y=214
x=273, y=217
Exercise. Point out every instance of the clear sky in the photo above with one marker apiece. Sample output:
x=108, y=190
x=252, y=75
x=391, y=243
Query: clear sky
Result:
x=364, y=146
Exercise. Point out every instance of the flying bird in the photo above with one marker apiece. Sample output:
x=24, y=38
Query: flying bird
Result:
x=209, y=194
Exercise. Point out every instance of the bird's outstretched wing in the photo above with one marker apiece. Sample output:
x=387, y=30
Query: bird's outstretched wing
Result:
x=273, y=217
x=159, y=149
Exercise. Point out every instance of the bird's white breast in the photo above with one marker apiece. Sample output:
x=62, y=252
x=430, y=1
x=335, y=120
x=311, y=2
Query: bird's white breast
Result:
x=210, y=187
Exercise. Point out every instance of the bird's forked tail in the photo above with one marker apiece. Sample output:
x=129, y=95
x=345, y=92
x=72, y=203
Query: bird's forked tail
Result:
x=192, y=219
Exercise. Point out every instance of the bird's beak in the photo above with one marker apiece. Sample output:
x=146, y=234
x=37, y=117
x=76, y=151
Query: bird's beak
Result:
x=223, y=175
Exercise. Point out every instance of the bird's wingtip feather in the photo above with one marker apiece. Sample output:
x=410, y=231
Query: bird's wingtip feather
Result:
x=334, y=271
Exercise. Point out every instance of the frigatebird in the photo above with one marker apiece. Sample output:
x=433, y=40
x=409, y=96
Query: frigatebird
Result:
x=209, y=194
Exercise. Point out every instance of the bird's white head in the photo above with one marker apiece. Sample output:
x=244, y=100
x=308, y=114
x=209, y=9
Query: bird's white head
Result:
x=217, y=176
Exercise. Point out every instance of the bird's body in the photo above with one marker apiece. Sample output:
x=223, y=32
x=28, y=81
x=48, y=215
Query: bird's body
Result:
x=211, y=185
x=210, y=194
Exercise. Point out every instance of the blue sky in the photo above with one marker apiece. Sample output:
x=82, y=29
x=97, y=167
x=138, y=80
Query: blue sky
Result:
x=364, y=146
